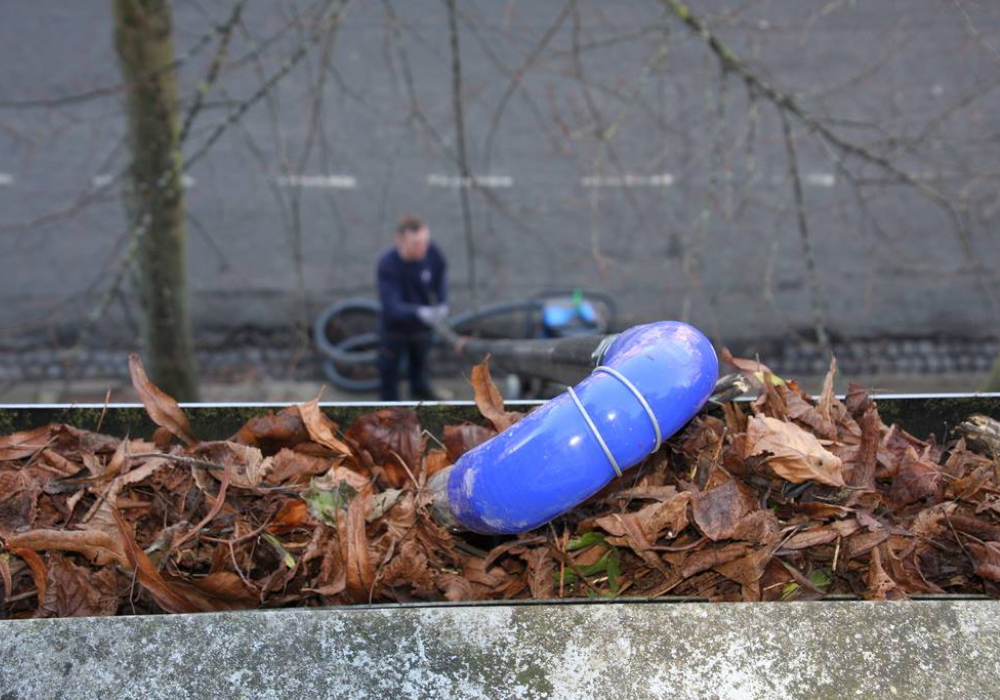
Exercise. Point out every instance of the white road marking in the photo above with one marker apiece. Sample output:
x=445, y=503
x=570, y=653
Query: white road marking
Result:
x=456, y=181
x=330, y=182
x=6, y=179
x=821, y=179
x=658, y=180
x=104, y=180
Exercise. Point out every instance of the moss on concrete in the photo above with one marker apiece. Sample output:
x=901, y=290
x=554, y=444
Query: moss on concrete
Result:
x=919, y=416
x=208, y=422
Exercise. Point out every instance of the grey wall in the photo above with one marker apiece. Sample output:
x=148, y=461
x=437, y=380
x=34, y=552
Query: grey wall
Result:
x=719, y=244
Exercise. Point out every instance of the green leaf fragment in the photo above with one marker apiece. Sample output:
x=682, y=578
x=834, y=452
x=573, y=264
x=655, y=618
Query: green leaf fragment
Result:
x=608, y=565
x=286, y=557
x=614, y=570
x=821, y=578
x=775, y=379
x=585, y=540
x=789, y=590
x=324, y=504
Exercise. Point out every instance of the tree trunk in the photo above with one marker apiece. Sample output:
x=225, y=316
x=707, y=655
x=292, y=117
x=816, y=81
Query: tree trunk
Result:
x=154, y=197
x=993, y=381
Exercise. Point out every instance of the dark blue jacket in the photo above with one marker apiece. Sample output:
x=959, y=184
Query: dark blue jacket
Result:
x=403, y=286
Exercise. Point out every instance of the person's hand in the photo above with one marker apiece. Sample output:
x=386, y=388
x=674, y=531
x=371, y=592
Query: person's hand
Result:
x=432, y=315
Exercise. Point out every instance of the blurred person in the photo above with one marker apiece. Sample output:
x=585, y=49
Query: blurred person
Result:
x=413, y=293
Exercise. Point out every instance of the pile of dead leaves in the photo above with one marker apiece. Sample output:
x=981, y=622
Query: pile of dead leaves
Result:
x=782, y=498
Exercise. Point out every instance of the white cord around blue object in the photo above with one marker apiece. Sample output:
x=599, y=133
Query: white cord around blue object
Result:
x=642, y=400
x=595, y=431
x=638, y=395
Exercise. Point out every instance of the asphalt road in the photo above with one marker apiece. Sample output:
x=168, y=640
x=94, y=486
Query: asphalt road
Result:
x=684, y=208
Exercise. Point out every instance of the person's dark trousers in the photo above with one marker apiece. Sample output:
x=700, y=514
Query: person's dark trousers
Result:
x=391, y=351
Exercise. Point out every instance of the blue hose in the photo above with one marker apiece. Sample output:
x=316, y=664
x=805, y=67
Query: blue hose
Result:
x=568, y=449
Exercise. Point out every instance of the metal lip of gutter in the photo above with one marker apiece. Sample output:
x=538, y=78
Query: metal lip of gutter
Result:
x=263, y=404
x=384, y=404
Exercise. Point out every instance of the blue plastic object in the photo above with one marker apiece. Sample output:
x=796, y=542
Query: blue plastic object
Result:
x=551, y=460
x=556, y=316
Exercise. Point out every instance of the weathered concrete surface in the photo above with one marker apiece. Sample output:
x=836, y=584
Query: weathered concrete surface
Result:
x=809, y=650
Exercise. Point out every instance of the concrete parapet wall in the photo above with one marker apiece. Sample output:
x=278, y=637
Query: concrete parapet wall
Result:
x=928, y=649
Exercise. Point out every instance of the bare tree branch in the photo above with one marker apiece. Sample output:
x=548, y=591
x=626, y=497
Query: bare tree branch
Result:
x=815, y=289
x=463, y=161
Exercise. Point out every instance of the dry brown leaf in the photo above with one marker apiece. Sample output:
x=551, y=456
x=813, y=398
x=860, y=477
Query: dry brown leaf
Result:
x=380, y=503
x=25, y=443
x=474, y=569
x=321, y=429
x=5, y=577
x=161, y=408
x=217, y=505
x=401, y=517
x=456, y=587
x=74, y=443
x=162, y=439
x=653, y=519
x=459, y=439
x=747, y=571
x=819, y=510
x=98, y=546
x=863, y=475
x=115, y=464
x=39, y=572
x=916, y=479
x=488, y=398
x=409, y=569
x=827, y=399
x=294, y=467
x=643, y=493
x=439, y=543
x=389, y=432
x=55, y=465
x=359, y=568
x=636, y=539
x=541, y=566
x=332, y=579
x=987, y=559
x=748, y=368
x=101, y=515
x=273, y=432
x=517, y=546
x=858, y=399
x=760, y=527
x=293, y=514
x=78, y=591
x=248, y=466
x=864, y=542
x=795, y=455
x=799, y=409
x=822, y=535
x=711, y=557
x=718, y=511
x=222, y=590
x=19, y=493
x=435, y=460
x=180, y=596
x=880, y=584
x=976, y=527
